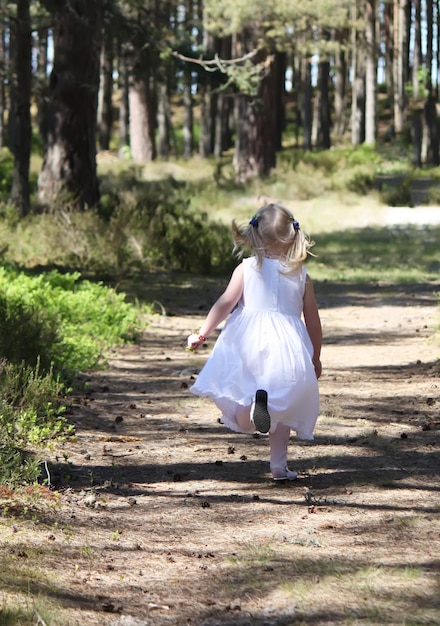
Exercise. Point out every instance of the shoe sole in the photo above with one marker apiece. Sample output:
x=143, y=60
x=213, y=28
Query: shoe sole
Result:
x=261, y=415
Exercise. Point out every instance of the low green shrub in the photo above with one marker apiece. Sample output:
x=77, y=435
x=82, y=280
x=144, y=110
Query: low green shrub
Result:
x=61, y=321
x=51, y=326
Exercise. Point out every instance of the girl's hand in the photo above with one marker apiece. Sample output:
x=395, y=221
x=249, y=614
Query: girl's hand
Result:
x=318, y=367
x=195, y=341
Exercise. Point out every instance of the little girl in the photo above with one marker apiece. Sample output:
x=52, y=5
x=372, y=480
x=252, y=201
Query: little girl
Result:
x=262, y=373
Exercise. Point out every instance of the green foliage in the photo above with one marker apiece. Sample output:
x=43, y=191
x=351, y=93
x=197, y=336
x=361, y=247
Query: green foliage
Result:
x=51, y=325
x=30, y=414
x=139, y=225
x=394, y=255
x=399, y=193
x=61, y=321
x=6, y=167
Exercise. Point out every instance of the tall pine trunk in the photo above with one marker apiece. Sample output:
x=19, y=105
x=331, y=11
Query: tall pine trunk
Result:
x=358, y=85
x=142, y=140
x=255, y=149
x=370, y=73
x=307, y=108
x=124, y=134
x=3, y=67
x=105, y=98
x=21, y=141
x=341, y=81
x=69, y=165
x=400, y=74
x=324, y=105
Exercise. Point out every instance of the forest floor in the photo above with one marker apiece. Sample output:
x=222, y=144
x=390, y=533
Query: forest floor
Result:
x=158, y=515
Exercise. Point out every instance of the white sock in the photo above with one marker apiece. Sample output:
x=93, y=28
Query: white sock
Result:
x=279, y=442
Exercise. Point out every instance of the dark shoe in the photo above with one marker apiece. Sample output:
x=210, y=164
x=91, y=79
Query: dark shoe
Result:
x=260, y=416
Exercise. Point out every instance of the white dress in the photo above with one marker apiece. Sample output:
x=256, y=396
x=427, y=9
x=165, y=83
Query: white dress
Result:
x=265, y=345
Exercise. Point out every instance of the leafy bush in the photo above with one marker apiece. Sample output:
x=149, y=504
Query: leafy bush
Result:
x=61, y=321
x=30, y=413
x=137, y=226
x=50, y=326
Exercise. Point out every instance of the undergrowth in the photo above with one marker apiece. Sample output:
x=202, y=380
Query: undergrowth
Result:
x=51, y=326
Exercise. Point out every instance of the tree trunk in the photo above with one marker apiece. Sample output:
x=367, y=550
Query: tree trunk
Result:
x=431, y=121
x=141, y=137
x=438, y=48
x=400, y=63
x=307, y=116
x=224, y=106
x=163, y=128
x=124, y=136
x=324, y=105
x=69, y=165
x=429, y=39
x=207, y=109
x=12, y=89
x=255, y=152
x=41, y=86
x=389, y=52
x=21, y=141
x=188, y=114
x=105, y=97
x=279, y=94
x=341, y=76
x=370, y=73
x=417, y=135
x=358, y=87
x=3, y=66
x=144, y=62
x=417, y=53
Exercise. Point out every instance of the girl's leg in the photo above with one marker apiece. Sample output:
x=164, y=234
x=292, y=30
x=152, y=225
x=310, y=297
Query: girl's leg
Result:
x=244, y=420
x=279, y=442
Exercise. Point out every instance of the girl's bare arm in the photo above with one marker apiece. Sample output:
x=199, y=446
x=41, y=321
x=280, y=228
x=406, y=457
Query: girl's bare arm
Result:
x=313, y=324
x=220, y=309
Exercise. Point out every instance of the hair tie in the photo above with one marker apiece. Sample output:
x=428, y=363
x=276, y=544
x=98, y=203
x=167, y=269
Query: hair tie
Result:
x=254, y=220
x=295, y=224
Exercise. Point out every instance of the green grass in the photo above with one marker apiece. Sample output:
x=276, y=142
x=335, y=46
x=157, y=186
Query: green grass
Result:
x=388, y=255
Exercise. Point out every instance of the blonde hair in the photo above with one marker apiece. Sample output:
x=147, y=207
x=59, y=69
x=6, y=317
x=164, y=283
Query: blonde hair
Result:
x=273, y=231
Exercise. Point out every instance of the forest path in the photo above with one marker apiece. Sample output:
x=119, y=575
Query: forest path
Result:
x=167, y=518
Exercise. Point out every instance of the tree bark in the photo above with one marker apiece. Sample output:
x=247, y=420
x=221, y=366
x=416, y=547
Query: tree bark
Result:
x=222, y=132
x=105, y=97
x=141, y=134
x=341, y=80
x=41, y=86
x=389, y=53
x=21, y=141
x=324, y=105
x=255, y=152
x=358, y=87
x=431, y=122
x=400, y=63
x=164, y=128
x=3, y=66
x=69, y=166
x=124, y=135
x=307, y=116
x=370, y=73
x=188, y=113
